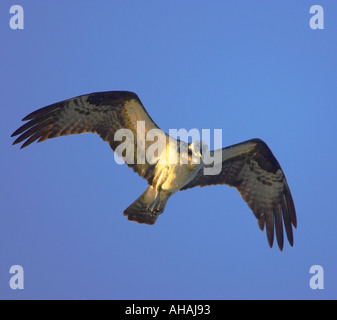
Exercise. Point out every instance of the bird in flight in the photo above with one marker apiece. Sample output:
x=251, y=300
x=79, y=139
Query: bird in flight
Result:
x=249, y=166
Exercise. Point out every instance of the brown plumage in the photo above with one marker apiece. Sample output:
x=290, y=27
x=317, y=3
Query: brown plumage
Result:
x=248, y=166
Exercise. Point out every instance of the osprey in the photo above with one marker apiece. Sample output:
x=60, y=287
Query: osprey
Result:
x=249, y=166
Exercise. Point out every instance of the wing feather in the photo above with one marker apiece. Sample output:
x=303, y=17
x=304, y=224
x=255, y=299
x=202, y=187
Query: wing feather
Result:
x=279, y=226
x=270, y=229
x=287, y=220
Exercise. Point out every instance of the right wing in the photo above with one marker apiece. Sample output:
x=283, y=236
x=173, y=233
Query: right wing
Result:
x=103, y=113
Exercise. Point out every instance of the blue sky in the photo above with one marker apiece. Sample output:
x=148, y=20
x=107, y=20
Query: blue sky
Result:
x=254, y=69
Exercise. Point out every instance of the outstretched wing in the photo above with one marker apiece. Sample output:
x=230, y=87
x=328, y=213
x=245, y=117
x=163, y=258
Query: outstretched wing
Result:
x=252, y=168
x=103, y=113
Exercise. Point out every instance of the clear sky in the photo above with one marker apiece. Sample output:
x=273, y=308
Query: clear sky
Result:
x=252, y=68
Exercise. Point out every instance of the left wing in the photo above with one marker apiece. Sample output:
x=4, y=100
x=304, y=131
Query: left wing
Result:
x=252, y=168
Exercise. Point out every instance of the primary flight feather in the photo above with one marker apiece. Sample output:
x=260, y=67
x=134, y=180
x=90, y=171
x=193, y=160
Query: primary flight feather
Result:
x=249, y=166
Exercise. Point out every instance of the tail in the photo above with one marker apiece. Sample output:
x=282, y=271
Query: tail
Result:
x=140, y=211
